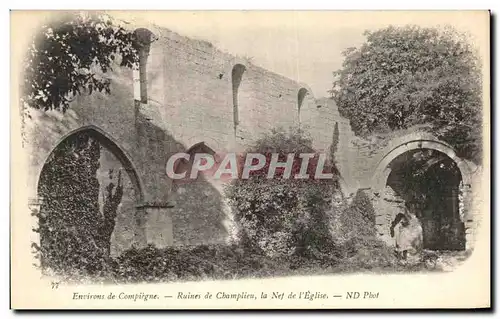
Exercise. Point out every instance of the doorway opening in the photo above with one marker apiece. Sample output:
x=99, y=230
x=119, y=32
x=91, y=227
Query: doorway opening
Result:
x=430, y=183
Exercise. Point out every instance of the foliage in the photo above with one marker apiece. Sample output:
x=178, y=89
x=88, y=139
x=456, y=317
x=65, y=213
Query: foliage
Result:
x=404, y=76
x=282, y=217
x=355, y=220
x=335, y=142
x=72, y=55
x=109, y=211
x=185, y=263
x=362, y=208
x=354, y=232
x=367, y=253
x=74, y=234
x=209, y=262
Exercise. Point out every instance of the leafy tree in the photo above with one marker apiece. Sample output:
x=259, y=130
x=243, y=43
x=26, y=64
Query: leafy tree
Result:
x=406, y=76
x=70, y=206
x=72, y=55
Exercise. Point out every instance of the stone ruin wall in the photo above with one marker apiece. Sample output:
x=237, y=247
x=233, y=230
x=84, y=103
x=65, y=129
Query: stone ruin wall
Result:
x=190, y=99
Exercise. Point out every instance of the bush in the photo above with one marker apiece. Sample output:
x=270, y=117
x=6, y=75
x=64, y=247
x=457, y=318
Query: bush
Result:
x=153, y=264
x=283, y=217
x=192, y=263
x=75, y=235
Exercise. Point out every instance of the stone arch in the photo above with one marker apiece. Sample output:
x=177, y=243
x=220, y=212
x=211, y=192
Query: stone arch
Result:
x=306, y=106
x=109, y=143
x=126, y=227
x=213, y=144
x=236, y=77
x=410, y=142
x=202, y=147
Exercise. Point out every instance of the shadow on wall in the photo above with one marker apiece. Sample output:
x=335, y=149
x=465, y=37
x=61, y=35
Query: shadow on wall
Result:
x=199, y=204
x=197, y=216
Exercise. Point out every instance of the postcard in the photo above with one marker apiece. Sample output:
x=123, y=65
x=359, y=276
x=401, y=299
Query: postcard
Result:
x=250, y=159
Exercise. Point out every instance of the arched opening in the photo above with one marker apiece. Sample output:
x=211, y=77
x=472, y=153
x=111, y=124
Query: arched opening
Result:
x=300, y=99
x=88, y=191
x=236, y=77
x=430, y=183
x=183, y=165
x=198, y=216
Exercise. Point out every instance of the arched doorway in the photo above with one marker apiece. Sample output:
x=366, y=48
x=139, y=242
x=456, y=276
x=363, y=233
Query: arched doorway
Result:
x=429, y=182
x=427, y=176
x=88, y=190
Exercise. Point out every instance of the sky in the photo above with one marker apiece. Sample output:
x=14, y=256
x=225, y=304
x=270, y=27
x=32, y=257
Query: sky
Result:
x=305, y=46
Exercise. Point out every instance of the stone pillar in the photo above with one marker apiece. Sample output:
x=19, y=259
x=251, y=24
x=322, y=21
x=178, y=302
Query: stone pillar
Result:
x=154, y=222
x=454, y=201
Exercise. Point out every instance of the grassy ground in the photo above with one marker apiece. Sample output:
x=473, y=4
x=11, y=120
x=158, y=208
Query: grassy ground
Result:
x=260, y=267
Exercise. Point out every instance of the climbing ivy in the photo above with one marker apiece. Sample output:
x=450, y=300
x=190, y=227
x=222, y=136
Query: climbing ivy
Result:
x=75, y=235
x=71, y=55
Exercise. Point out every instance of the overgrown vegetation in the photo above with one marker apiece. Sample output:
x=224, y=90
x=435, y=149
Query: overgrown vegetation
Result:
x=191, y=263
x=335, y=143
x=406, y=76
x=71, y=55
